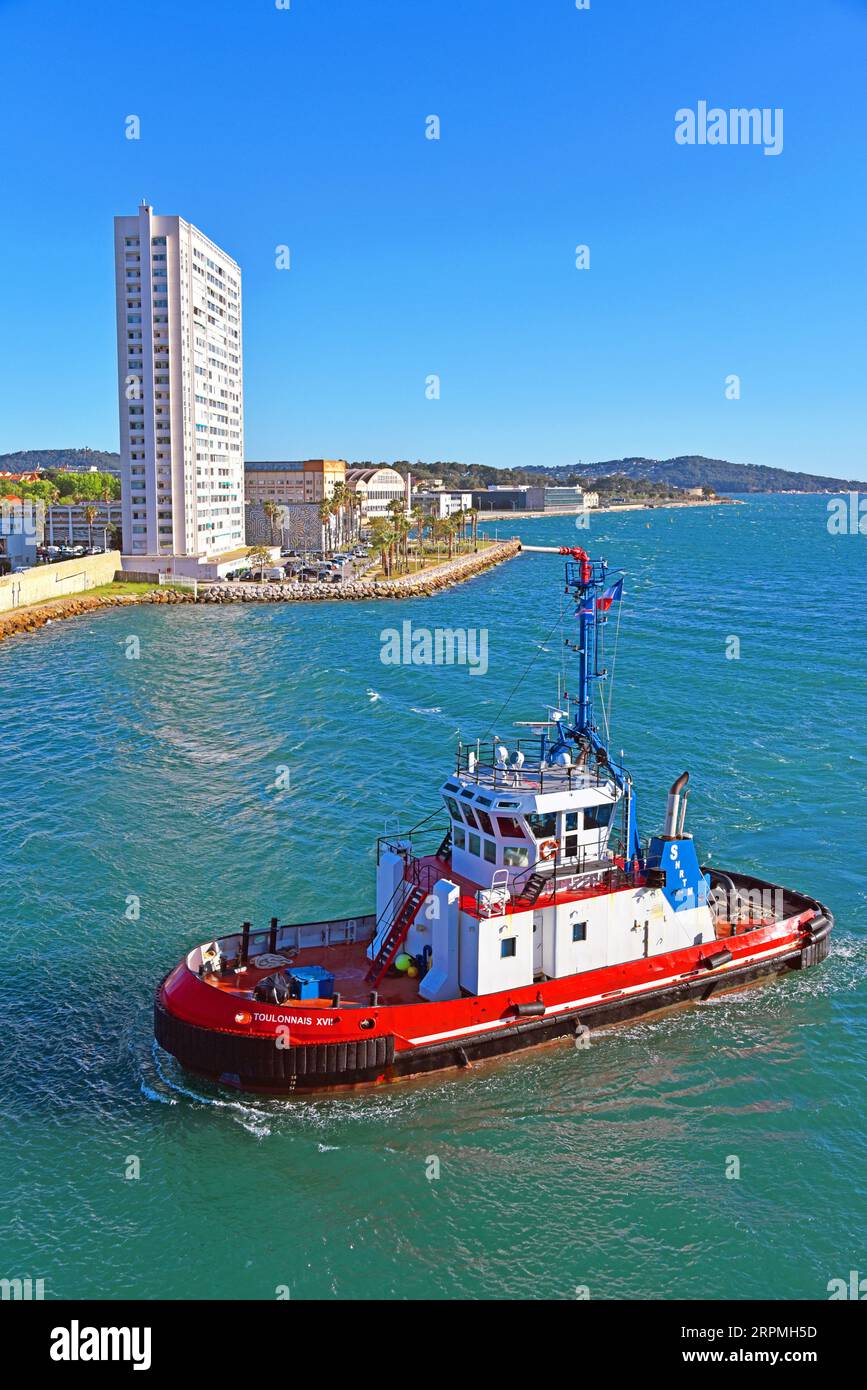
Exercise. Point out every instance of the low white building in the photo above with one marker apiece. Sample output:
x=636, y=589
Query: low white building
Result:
x=443, y=504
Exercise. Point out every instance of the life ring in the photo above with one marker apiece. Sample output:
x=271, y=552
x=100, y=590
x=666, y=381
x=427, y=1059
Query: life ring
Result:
x=548, y=849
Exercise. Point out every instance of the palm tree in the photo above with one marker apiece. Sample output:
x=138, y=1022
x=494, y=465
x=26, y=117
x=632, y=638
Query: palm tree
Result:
x=382, y=539
x=325, y=515
x=440, y=526
x=272, y=516
x=473, y=514
x=397, y=508
x=419, y=521
x=339, y=502
x=452, y=525
x=354, y=513
x=90, y=515
x=402, y=528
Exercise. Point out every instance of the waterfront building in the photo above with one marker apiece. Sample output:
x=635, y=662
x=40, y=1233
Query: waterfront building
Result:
x=180, y=388
x=527, y=498
x=563, y=499
x=376, y=488
x=509, y=499
x=306, y=480
x=67, y=523
x=441, y=504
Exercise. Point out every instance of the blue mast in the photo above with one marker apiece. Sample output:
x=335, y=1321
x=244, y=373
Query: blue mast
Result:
x=586, y=582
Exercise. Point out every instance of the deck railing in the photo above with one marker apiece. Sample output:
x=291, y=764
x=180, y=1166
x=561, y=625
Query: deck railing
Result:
x=478, y=763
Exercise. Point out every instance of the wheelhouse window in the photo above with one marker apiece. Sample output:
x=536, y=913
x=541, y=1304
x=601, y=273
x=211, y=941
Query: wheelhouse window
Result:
x=469, y=817
x=490, y=851
x=543, y=824
x=516, y=856
x=509, y=828
x=452, y=807
x=598, y=817
x=508, y=947
x=484, y=821
x=459, y=837
x=475, y=845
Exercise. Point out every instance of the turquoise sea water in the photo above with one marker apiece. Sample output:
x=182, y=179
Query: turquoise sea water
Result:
x=158, y=778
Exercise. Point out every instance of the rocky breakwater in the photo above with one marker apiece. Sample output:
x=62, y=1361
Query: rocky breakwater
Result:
x=420, y=585
x=30, y=619
x=17, y=620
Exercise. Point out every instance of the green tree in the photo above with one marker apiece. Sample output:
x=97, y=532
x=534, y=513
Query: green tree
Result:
x=259, y=558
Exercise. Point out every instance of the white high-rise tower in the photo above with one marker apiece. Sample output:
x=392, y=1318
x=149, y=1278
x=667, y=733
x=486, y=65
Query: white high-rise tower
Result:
x=180, y=381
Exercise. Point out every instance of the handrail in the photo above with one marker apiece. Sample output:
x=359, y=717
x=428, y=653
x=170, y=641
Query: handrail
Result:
x=389, y=839
x=418, y=872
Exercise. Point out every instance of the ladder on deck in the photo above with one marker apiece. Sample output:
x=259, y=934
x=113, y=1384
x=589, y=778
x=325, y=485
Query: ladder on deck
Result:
x=533, y=887
x=396, y=934
x=445, y=848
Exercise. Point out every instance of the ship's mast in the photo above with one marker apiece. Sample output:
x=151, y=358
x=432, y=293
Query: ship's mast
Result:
x=587, y=583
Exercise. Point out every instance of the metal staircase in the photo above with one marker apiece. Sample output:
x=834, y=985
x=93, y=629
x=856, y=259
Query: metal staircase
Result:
x=396, y=934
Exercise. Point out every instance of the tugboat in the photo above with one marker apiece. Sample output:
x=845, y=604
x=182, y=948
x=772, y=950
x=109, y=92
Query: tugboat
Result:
x=535, y=913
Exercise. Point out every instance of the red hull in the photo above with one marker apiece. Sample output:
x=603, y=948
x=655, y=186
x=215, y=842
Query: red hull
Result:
x=316, y=1046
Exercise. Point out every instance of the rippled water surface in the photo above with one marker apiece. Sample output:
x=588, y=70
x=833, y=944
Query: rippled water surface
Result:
x=158, y=780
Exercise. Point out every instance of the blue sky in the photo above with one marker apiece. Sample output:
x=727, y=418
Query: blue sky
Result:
x=456, y=257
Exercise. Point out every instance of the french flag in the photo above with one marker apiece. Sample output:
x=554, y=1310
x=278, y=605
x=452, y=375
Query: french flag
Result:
x=613, y=594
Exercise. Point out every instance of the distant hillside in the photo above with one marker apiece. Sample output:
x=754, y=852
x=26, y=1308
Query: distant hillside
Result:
x=693, y=470
x=688, y=470
x=29, y=459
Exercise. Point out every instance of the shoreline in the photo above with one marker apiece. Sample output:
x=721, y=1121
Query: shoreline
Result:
x=623, y=507
x=422, y=585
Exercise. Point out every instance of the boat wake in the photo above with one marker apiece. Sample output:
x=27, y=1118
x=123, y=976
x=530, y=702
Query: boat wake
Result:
x=246, y=1114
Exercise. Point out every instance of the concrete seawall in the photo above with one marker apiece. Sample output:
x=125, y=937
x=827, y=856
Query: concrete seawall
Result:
x=57, y=581
x=407, y=586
